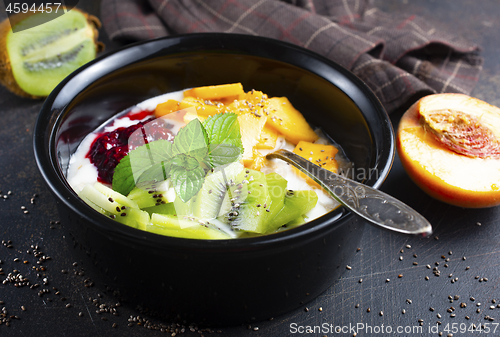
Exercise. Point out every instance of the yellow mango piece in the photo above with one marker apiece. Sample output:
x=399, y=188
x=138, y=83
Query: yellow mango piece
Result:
x=268, y=138
x=253, y=102
x=250, y=128
x=171, y=109
x=215, y=92
x=318, y=154
x=258, y=161
x=203, y=107
x=288, y=121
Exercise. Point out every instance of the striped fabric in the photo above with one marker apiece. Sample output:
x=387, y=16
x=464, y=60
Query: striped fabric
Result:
x=401, y=58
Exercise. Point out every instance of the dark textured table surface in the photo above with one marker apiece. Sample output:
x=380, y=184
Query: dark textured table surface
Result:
x=386, y=289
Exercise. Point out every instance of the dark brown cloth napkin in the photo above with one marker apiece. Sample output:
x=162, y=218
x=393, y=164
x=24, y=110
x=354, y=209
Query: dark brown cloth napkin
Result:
x=400, y=57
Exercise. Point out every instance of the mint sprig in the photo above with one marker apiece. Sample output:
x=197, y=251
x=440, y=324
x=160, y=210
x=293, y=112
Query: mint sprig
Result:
x=197, y=148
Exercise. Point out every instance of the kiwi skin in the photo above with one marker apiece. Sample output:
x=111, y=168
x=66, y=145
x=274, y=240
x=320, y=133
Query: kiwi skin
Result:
x=6, y=76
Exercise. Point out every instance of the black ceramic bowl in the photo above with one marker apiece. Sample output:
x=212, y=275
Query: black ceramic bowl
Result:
x=228, y=281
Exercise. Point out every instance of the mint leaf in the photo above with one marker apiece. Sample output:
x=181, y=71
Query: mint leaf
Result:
x=136, y=162
x=185, y=161
x=187, y=176
x=223, y=131
x=157, y=172
x=221, y=154
x=192, y=139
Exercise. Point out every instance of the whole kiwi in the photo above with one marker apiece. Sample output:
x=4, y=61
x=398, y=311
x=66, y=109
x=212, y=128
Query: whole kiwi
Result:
x=36, y=58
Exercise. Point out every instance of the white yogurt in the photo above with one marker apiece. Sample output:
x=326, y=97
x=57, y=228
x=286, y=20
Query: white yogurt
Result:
x=81, y=171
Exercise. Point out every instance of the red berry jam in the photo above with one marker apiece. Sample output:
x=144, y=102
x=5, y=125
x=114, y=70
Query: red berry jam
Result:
x=110, y=147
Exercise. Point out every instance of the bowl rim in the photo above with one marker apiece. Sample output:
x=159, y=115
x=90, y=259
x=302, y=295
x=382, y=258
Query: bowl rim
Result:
x=56, y=103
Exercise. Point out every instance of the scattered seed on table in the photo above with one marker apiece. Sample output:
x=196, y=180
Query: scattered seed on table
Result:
x=403, y=311
x=348, y=267
x=400, y=275
x=408, y=246
x=381, y=313
x=400, y=258
x=408, y=301
x=360, y=280
x=368, y=310
x=387, y=280
x=357, y=305
x=427, y=278
x=438, y=315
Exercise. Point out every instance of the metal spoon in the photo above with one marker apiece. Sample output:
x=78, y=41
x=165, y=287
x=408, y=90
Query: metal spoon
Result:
x=371, y=204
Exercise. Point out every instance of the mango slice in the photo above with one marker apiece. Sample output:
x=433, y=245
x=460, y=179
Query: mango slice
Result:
x=268, y=138
x=318, y=154
x=251, y=128
x=288, y=121
x=215, y=92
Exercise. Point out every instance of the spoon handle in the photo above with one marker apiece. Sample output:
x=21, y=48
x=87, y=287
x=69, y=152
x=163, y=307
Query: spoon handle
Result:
x=371, y=204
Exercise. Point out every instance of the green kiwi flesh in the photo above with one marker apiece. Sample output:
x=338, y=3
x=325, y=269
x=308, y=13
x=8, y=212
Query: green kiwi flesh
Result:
x=250, y=210
x=296, y=204
x=42, y=56
x=153, y=194
x=206, y=204
x=188, y=227
x=114, y=205
x=276, y=187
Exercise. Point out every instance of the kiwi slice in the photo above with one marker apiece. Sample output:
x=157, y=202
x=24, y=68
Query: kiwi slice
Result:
x=167, y=208
x=188, y=227
x=153, y=194
x=296, y=204
x=276, y=187
x=34, y=60
x=206, y=204
x=249, y=211
x=114, y=205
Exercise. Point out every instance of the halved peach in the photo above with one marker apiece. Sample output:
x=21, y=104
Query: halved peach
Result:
x=449, y=144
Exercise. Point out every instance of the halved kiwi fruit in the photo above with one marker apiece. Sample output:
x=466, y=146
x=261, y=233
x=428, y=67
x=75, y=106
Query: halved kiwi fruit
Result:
x=34, y=60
